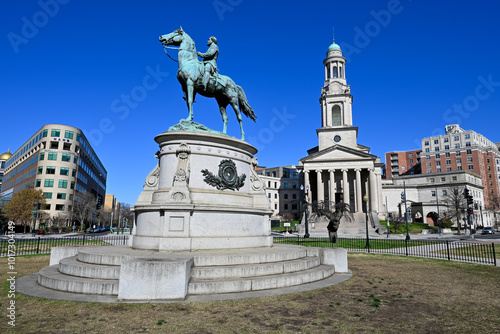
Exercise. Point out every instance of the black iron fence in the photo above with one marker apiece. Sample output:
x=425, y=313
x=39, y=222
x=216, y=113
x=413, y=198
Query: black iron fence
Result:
x=465, y=251
x=43, y=245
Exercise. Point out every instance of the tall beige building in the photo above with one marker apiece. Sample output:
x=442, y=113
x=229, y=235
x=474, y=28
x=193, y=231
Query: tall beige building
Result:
x=58, y=160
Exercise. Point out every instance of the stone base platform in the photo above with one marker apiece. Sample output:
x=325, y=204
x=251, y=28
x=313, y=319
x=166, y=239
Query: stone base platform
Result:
x=123, y=274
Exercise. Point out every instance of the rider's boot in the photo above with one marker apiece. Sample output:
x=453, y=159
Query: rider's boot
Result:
x=206, y=77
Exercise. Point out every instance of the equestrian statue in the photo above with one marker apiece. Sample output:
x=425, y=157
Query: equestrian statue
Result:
x=203, y=78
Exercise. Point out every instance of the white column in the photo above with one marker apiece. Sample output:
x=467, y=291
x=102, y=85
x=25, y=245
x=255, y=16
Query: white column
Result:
x=358, y=191
x=373, y=191
x=306, y=185
x=326, y=72
x=345, y=186
x=378, y=178
x=332, y=185
x=321, y=189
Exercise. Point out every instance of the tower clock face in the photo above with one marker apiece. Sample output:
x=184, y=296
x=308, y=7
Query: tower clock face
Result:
x=336, y=138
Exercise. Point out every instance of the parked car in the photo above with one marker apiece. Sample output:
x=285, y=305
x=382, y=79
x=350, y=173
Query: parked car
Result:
x=488, y=230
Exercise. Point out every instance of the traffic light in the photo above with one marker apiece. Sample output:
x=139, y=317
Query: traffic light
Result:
x=39, y=206
x=470, y=200
x=99, y=202
x=403, y=197
x=98, y=214
x=466, y=192
x=470, y=211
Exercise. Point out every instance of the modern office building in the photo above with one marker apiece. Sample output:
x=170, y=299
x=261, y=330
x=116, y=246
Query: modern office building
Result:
x=3, y=159
x=402, y=163
x=459, y=149
x=58, y=160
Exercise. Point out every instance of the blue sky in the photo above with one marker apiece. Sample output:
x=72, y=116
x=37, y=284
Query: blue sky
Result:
x=413, y=67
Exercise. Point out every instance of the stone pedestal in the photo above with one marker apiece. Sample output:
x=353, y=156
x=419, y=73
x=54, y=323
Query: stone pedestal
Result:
x=203, y=194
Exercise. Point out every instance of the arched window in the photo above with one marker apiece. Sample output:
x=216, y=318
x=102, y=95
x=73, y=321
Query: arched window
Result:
x=335, y=75
x=328, y=71
x=336, y=116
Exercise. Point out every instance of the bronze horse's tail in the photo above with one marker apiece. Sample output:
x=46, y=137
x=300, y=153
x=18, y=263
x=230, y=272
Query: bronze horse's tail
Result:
x=244, y=106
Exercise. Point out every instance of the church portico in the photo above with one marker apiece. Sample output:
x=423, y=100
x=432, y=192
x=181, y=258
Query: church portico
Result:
x=339, y=169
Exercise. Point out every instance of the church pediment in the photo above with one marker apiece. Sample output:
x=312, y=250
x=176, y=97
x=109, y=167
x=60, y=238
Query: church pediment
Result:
x=338, y=153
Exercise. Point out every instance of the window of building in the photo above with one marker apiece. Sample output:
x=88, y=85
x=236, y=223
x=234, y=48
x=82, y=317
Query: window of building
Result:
x=447, y=154
x=294, y=196
x=336, y=116
x=294, y=206
x=457, y=153
x=427, y=150
x=438, y=163
x=459, y=161
x=433, y=193
x=63, y=184
x=459, y=167
x=457, y=145
x=429, y=171
x=448, y=169
x=444, y=192
x=275, y=206
x=436, y=148
x=61, y=195
x=78, y=137
x=294, y=185
x=446, y=147
x=489, y=167
x=42, y=156
x=471, y=166
x=438, y=156
x=38, y=183
x=66, y=157
x=446, y=139
x=436, y=141
x=469, y=151
x=427, y=157
x=67, y=146
x=39, y=170
x=52, y=156
x=410, y=155
x=269, y=195
x=275, y=196
x=467, y=136
x=489, y=176
x=55, y=133
x=285, y=206
x=438, y=170
x=59, y=207
x=48, y=183
x=47, y=195
x=411, y=161
x=403, y=168
x=285, y=196
x=454, y=178
x=443, y=179
x=431, y=179
x=457, y=138
x=68, y=134
x=426, y=142
x=269, y=184
x=275, y=184
x=448, y=162
x=488, y=160
x=72, y=185
x=64, y=171
x=50, y=170
x=54, y=145
x=469, y=159
x=73, y=172
x=467, y=143
x=45, y=133
x=285, y=185
x=428, y=164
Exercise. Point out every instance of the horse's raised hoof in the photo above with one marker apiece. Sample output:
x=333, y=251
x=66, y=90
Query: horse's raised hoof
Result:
x=189, y=119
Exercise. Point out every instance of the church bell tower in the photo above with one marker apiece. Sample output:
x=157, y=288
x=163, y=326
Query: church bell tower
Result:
x=336, y=103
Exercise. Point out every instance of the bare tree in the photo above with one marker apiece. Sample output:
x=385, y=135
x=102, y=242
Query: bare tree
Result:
x=495, y=207
x=455, y=203
x=83, y=208
x=125, y=214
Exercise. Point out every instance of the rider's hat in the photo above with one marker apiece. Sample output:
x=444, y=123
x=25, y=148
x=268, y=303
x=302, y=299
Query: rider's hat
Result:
x=213, y=39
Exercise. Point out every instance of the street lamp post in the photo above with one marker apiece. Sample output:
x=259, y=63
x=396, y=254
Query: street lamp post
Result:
x=365, y=199
x=406, y=212
x=306, y=235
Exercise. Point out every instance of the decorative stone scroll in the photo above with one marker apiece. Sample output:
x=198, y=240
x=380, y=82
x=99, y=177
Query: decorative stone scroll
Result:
x=153, y=177
x=180, y=191
x=255, y=181
x=228, y=176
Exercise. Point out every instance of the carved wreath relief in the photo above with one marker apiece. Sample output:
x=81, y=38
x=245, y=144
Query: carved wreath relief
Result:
x=228, y=176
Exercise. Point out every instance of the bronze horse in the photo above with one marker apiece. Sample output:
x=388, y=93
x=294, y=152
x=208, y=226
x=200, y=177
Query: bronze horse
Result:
x=190, y=76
